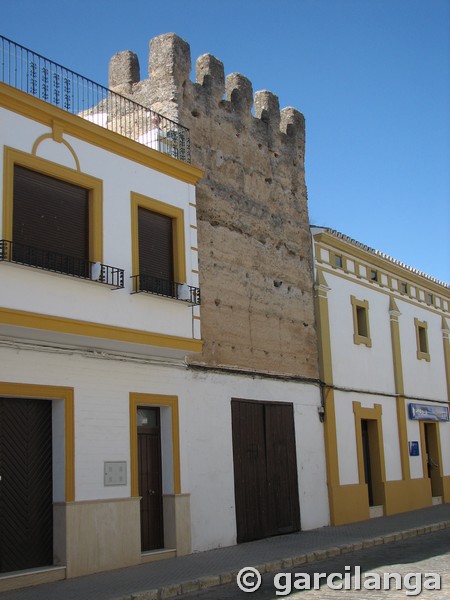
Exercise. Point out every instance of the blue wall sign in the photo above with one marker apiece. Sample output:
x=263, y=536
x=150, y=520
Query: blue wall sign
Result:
x=428, y=412
x=413, y=448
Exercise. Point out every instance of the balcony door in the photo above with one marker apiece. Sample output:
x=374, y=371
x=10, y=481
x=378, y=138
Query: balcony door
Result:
x=50, y=223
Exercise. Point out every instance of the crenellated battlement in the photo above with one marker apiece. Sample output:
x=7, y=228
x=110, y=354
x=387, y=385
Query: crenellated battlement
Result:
x=169, y=84
x=253, y=228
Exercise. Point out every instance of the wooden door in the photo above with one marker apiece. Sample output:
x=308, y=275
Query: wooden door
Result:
x=150, y=478
x=432, y=451
x=265, y=469
x=26, y=490
x=282, y=482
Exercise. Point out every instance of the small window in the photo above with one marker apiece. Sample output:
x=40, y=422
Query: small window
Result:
x=338, y=262
x=404, y=288
x=430, y=298
x=373, y=275
x=159, y=265
x=361, y=321
x=361, y=333
x=423, y=352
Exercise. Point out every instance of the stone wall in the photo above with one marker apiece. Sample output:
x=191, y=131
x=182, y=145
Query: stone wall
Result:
x=253, y=230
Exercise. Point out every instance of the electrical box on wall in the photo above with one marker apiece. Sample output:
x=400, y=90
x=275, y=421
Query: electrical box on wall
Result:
x=115, y=473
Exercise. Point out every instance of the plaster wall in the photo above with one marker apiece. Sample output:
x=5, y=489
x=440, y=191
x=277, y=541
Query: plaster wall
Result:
x=101, y=392
x=78, y=299
x=422, y=379
x=355, y=365
x=346, y=436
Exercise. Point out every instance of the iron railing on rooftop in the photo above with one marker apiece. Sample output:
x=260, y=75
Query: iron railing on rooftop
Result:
x=34, y=74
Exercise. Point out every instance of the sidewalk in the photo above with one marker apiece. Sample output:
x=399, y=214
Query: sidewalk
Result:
x=171, y=577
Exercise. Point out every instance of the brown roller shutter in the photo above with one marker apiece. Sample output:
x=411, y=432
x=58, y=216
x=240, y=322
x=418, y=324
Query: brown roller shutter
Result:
x=155, y=245
x=51, y=215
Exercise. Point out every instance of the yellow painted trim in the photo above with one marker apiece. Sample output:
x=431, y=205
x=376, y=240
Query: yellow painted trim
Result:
x=396, y=347
x=421, y=354
x=399, y=388
x=177, y=216
x=372, y=260
x=423, y=447
x=377, y=455
x=57, y=131
x=440, y=476
x=9, y=316
x=93, y=185
x=138, y=399
x=410, y=300
x=48, y=392
x=357, y=337
x=76, y=126
x=406, y=495
x=350, y=503
x=446, y=488
x=326, y=374
x=55, y=138
x=446, y=343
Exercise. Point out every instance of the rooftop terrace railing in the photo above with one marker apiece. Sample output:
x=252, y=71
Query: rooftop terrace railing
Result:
x=34, y=74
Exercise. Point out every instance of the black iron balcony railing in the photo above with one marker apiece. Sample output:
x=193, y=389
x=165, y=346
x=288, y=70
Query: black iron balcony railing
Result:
x=61, y=263
x=29, y=72
x=166, y=288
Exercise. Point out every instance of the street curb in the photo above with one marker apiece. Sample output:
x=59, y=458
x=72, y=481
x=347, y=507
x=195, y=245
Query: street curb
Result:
x=276, y=565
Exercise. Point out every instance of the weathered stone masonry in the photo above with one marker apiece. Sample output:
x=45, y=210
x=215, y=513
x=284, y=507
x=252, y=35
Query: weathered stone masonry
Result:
x=253, y=229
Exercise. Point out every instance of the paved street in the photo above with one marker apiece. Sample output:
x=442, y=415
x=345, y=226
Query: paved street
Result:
x=414, y=541
x=428, y=553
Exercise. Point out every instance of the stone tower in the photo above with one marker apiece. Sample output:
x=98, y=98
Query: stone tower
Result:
x=253, y=230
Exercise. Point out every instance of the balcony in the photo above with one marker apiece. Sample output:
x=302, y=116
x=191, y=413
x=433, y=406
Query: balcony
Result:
x=168, y=289
x=55, y=262
x=33, y=74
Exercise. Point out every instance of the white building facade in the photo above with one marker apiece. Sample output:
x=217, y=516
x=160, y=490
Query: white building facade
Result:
x=131, y=449
x=385, y=358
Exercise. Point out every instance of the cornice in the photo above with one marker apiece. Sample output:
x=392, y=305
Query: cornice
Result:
x=45, y=113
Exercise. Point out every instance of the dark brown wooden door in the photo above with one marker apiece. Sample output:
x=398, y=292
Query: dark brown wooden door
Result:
x=265, y=469
x=150, y=479
x=26, y=491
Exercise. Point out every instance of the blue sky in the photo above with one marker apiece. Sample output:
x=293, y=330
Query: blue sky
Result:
x=372, y=78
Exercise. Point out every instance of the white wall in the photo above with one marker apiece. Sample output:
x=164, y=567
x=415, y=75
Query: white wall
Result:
x=102, y=390
x=346, y=435
x=356, y=365
x=421, y=378
x=77, y=299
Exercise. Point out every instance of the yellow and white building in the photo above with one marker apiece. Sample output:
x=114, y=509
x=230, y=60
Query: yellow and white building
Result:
x=113, y=449
x=93, y=338
x=385, y=365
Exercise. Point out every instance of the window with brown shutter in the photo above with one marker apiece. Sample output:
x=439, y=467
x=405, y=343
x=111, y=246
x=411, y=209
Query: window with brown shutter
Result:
x=50, y=223
x=156, y=261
